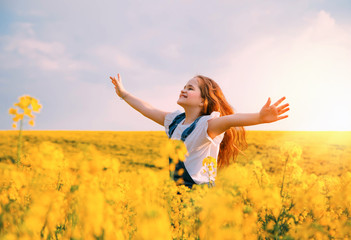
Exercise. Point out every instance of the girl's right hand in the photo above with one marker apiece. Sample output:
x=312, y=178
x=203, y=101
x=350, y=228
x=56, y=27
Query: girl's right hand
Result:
x=121, y=92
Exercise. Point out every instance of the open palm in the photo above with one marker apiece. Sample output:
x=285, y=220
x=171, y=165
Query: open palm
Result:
x=271, y=113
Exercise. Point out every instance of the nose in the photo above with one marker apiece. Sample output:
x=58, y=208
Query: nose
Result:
x=182, y=91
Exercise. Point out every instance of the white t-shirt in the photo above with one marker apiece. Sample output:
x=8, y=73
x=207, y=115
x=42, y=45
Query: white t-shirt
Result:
x=198, y=144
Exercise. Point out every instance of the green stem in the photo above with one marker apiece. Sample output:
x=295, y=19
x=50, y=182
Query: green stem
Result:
x=19, y=144
x=58, y=186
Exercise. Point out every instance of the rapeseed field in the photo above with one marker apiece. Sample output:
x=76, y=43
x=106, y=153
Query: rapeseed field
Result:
x=115, y=185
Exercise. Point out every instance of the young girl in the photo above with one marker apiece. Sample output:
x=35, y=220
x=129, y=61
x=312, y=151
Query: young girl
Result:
x=208, y=125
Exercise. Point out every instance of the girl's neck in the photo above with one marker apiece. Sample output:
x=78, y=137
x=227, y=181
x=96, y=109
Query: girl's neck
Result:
x=191, y=115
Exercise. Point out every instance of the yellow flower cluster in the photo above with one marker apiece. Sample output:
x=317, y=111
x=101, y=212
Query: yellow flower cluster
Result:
x=66, y=189
x=210, y=168
x=175, y=151
x=24, y=107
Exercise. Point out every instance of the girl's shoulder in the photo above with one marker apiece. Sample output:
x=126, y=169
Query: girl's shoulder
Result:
x=201, y=130
x=214, y=114
x=203, y=121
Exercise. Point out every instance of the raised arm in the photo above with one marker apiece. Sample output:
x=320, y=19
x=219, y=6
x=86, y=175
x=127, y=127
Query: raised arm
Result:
x=144, y=108
x=269, y=113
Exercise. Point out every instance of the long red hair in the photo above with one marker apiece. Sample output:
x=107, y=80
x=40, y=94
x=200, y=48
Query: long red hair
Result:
x=234, y=140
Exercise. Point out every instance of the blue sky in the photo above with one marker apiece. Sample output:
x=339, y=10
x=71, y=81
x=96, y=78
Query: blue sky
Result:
x=63, y=53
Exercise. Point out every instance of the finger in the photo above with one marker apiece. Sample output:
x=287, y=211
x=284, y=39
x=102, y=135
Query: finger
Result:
x=284, y=111
x=268, y=102
x=119, y=77
x=113, y=80
x=279, y=101
x=282, y=117
x=282, y=107
x=114, y=83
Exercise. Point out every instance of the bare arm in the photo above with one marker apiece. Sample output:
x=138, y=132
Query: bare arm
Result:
x=144, y=108
x=269, y=113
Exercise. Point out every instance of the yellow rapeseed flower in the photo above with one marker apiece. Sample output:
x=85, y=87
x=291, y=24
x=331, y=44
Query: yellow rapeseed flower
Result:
x=171, y=167
x=208, y=160
x=18, y=117
x=24, y=102
x=291, y=150
x=28, y=112
x=13, y=111
x=210, y=168
x=153, y=223
x=14, y=125
x=180, y=181
x=35, y=105
x=23, y=109
x=180, y=172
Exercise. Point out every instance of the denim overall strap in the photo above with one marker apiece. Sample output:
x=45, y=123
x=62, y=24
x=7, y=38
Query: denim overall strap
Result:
x=189, y=130
x=175, y=123
x=187, y=180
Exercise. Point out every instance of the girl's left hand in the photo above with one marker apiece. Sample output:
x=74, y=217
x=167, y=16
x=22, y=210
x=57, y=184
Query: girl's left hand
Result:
x=271, y=113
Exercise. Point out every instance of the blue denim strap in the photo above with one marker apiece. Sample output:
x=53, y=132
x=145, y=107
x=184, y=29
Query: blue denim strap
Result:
x=175, y=123
x=187, y=131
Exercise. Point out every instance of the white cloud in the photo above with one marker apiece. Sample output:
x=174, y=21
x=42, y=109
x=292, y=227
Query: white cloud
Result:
x=114, y=57
x=27, y=50
x=171, y=51
x=310, y=67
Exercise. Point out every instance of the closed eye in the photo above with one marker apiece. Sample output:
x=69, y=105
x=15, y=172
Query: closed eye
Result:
x=189, y=87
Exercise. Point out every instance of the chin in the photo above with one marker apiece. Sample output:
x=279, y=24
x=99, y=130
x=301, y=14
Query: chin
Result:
x=180, y=103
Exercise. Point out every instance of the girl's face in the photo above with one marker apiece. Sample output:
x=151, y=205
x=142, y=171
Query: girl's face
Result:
x=191, y=94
